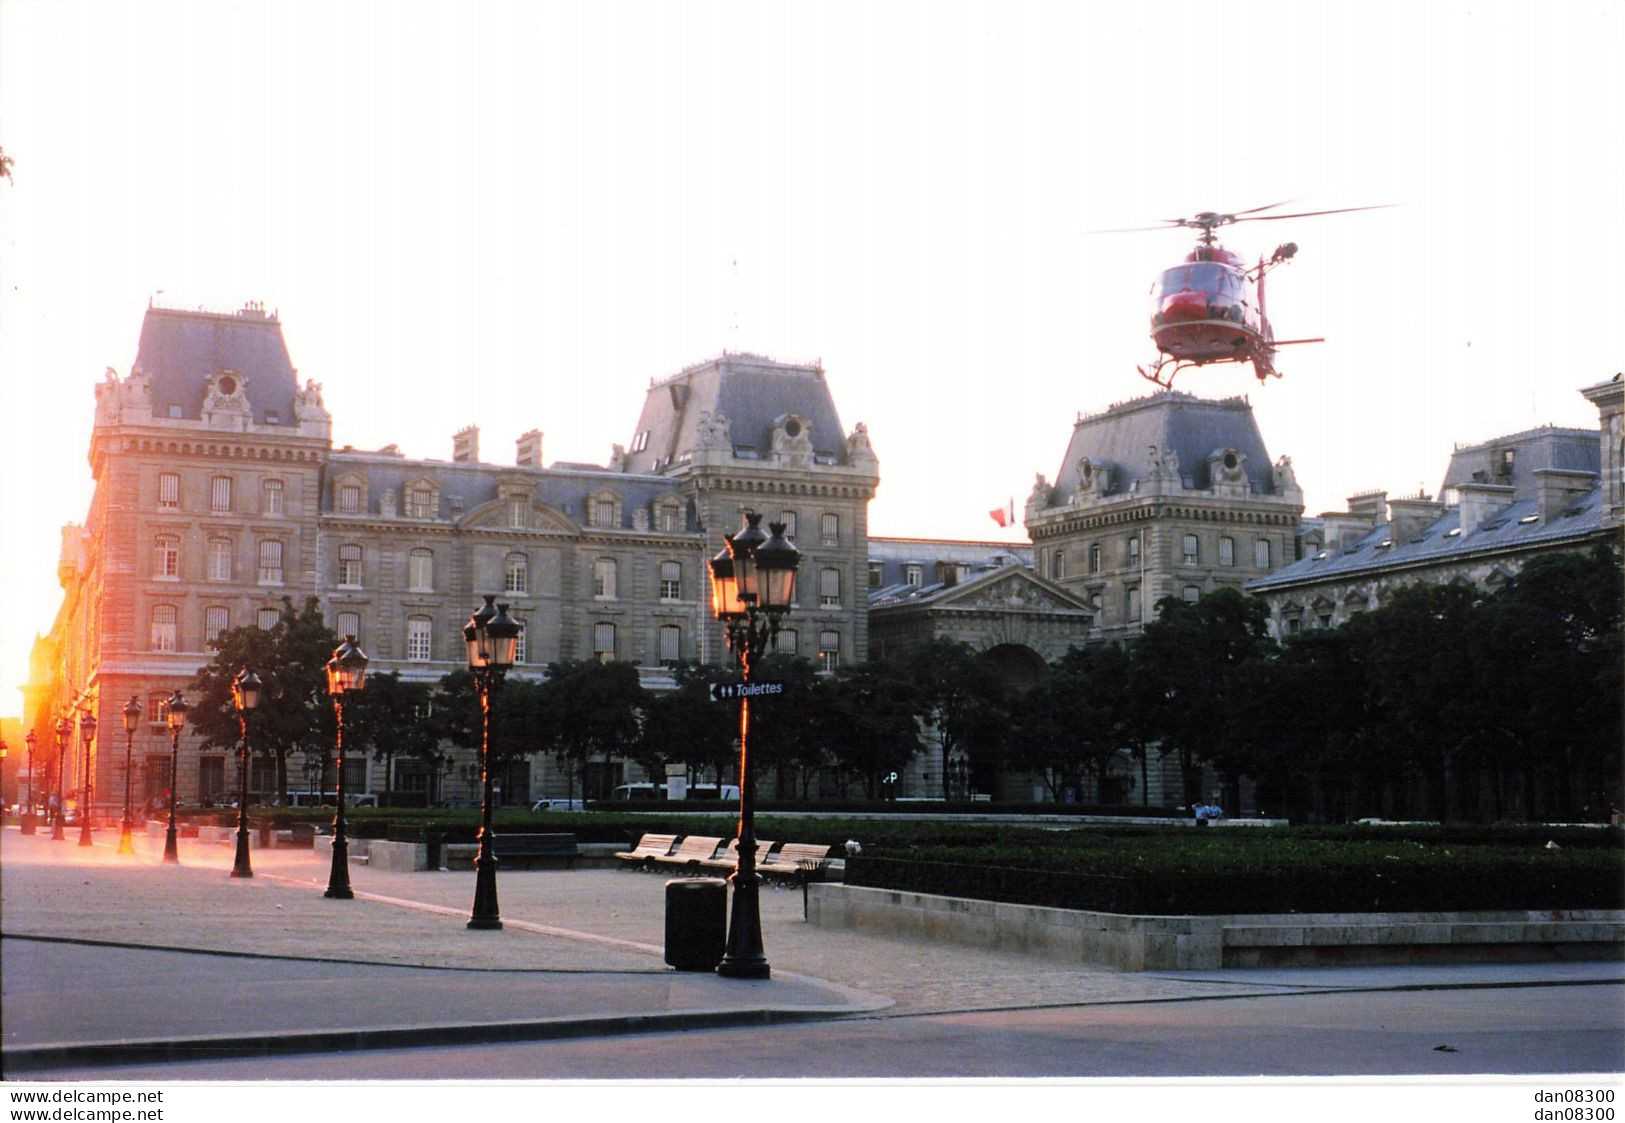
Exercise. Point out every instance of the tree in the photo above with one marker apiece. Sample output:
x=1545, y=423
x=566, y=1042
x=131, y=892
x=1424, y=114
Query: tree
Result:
x=1192, y=657
x=291, y=660
x=390, y=718
x=594, y=709
x=867, y=718
x=684, y=726
x=963, y=699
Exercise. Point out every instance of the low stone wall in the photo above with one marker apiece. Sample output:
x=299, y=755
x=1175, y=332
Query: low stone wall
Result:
x=1158, y=943
x=357, y=848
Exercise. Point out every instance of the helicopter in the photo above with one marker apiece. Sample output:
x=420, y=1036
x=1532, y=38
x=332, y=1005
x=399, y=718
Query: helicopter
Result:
x=1210, y=307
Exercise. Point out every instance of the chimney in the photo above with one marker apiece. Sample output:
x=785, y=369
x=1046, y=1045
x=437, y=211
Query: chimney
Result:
x=1369, y=505
x=1479, y=501
x=1558, y=488
x=465, y=446
x=1409, y=517
x=1609, y=398
x=1345, y=528
x=529, y=449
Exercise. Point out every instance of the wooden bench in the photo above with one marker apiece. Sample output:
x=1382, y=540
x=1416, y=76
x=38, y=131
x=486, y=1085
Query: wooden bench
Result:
x=691, y=852
x=788, y=861
x=729, y=858
x=649, y=847
x=525, y=849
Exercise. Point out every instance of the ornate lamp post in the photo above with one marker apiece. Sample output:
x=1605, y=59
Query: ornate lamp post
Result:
x=28, y=826
x=245, y=695
x=175, y=715
x=87, y=737
x=751, y=589
x=492, y=637
x=132, y=715
x=64, y=737
x=346, y=673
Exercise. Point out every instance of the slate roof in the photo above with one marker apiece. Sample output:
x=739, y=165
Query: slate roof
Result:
x=465, y=486
x=1510, y=529
x=1192, y=427
x=1576, y=450
x=180, y=349
x=752, y=391
x=900, y=596
x=895, y=554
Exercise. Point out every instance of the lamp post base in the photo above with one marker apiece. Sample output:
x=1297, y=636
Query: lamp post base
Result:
x=743, y=958
x=57, y=833
x=126, y=844
x=338, y=879
x=486, y=915
x=240, y=866
x=172, y=851
x=84, y=832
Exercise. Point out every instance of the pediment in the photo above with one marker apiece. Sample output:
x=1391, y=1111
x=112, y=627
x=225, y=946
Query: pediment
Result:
x=1015, y=589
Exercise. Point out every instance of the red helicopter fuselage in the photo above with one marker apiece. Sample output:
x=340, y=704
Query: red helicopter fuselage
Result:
x=1206, y=310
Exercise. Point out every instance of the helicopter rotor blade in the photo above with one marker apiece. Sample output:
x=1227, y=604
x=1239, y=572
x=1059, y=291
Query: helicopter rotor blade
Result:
x=1311, y=214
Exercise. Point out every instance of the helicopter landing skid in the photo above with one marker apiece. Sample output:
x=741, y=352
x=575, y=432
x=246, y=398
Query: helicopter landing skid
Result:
x=1163, y=376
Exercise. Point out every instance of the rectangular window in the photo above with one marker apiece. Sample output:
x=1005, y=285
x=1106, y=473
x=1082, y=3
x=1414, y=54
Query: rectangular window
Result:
x=521, y=644
x=515, y=574
x=787, y=642
x=671, y=580
x=518, y=513
x=420, y=571
x=215, y=621
x=914, y=574
x=220, y=494
x=1261, y=553
x=349, y=499
x=1227, y=551
x=219, y=559
x=157, y=708
x=350, y=566
x=829, y=588
x=169, y=491
x=349, y=624
x=831, y=530
x=603, y=579
x=829, y=651
x=1134, y=604
x=211, y=777
x=671, y=643
x=267, y=618
x=272, y=493
x=877, y=574
x=1134, y=549
x=421, y=503
x=1192, y=594
x=603, y=642
x=1057, y=566
x=601, y=512
x=669, y=519
x=1189, y=551
x=419, y=639
x=163, y=636
x=1094, y=558
x=788, y=518
x=166, y=558
x=271, y=561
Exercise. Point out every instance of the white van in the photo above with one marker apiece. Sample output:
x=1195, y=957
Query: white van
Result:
x=331, y=799
x=648, y=792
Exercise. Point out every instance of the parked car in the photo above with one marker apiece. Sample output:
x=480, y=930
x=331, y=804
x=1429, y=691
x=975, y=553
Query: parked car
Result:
x=559, y=805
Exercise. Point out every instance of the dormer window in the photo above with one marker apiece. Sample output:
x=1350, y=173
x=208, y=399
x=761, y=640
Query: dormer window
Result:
x=422, y=501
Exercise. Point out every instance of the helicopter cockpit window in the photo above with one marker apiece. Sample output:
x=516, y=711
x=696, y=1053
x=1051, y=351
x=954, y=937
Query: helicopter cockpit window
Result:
x=1223, y=288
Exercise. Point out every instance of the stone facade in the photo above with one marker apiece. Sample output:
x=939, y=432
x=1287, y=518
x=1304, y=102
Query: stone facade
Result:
x=218, y=493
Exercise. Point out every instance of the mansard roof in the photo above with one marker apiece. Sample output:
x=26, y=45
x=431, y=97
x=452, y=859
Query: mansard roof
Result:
x=180, y=350
x=1009, y=588
x=1515, y=527
x=1575, y=450
x=752, y=392
x=1192, y=428
x=464, y=486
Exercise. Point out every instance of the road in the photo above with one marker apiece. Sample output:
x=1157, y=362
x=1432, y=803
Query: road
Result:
x=1564, y=1029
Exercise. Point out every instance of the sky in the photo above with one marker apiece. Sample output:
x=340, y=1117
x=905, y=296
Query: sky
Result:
x=516, y=215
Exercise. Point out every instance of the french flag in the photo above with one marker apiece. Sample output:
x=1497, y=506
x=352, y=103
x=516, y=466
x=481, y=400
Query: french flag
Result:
x=1005, y=515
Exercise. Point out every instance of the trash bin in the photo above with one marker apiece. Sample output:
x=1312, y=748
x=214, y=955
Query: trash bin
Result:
x=696, y=922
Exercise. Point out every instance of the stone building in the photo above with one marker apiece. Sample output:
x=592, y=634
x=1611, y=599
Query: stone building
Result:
x=1501, y=503
x=1167, y=495
x=218, y=493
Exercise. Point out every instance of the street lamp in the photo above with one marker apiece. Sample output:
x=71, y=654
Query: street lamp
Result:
x=245, y=695
x=64, y=736
x=752, y=587
x=87, y=736
x=175, y=714
x=492, y=637
x=346, y=673
x=132, y=715
x=28, y=826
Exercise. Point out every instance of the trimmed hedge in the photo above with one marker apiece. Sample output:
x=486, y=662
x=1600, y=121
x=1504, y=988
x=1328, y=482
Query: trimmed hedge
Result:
x=1203, y=872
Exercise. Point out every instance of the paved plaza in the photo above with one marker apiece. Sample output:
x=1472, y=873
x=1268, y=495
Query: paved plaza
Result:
x=111, y=959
